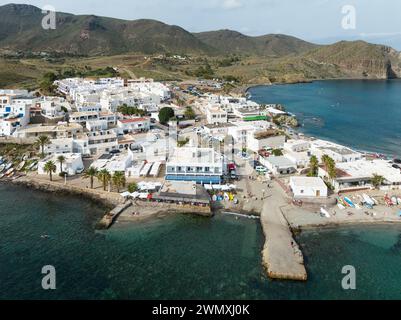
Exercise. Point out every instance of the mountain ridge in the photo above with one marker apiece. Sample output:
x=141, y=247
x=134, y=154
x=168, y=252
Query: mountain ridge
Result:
x=271, y=57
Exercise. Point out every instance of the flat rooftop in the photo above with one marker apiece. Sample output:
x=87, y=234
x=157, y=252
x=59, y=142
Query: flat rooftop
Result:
x=193, y=155
x=308, y=182
x=363, y=169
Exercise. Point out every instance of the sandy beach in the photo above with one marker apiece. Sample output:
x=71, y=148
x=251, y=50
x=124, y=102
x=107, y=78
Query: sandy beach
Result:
x=308, y=215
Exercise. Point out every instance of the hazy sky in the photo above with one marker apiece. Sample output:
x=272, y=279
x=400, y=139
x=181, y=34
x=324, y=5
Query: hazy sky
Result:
x=313, y=20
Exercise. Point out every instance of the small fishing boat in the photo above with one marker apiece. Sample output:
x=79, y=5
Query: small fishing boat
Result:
x=9, y=171
x=349, y=202
x=368, y=200
x=388, y=200
x=375, y=201
x=324, y=213
x=8, y=166
x=1, y=175
x=2, y=167
x=399, y=201
x=340, y=206
x=341, y=201
x=33, y=164
x=394, y=201
x=367, y=205
x=21, y=165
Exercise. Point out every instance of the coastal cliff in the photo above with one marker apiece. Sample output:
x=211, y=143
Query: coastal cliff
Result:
x=359, y=59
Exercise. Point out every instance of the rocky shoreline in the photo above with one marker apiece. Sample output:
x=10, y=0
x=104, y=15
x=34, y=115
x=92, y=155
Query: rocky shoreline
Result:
x=138, y=211
x=51, y=187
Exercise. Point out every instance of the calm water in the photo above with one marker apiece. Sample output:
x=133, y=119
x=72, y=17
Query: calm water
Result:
x=365, y=115
x=178, y=257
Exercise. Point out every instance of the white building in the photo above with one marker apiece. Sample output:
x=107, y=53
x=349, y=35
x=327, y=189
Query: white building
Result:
x=97, y=125
x=301, y=159
x=265, y=139
x=358, y=175
x=216, y=115
x=53, y=107
x=72, y=164
x=83, y=117
x=114, y=163
x=61, y=130
x=89, y=107
x=297, y=146
x=308, y=187
x=102, y=141
x=12, y=117
x=201, y=165
x=133, y=125
x=278, y=165
x=59, y=146
x=337, y=152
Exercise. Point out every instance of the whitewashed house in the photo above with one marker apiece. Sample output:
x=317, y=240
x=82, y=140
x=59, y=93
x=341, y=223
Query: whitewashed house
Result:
x=133, y=125
x=72, y=164
x=216, y=115
x=278, y=165
x=308, y=187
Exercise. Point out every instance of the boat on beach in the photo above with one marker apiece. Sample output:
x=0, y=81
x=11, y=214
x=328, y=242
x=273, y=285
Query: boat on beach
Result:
x=349, y=202
x=368, y=200
x=324, y=213
x=9, y=171
x=21, y=165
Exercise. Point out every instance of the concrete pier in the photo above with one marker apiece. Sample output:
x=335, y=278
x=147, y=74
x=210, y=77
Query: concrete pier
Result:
x=281, y=255
x=109, y=218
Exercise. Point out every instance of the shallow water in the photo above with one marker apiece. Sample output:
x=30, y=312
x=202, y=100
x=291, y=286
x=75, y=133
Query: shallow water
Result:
x=176, y=257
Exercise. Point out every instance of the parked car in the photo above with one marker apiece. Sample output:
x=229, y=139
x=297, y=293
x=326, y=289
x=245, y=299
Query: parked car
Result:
x=261, y=169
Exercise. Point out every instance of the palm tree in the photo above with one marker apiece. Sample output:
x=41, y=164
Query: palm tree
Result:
x=118, y=180
x=90, y=173
x=331, y=167
x=377, y=180
x=325, y=160
x=104, y=177
x=42, y=141
x=277, y=152
x=61, y=160
x=132, y=187
x=314, y=166
x=50, y=168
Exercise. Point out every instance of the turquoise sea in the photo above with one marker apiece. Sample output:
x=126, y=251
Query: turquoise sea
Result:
x=176, y=257
x=365, y=115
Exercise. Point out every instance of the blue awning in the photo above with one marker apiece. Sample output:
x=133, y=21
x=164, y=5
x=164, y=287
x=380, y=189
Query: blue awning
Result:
x=197, y=179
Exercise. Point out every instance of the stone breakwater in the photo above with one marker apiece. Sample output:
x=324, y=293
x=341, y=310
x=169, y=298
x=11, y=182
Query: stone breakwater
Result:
x=281, y=256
